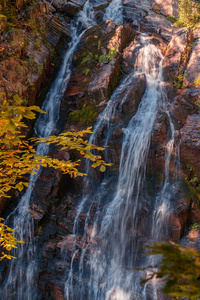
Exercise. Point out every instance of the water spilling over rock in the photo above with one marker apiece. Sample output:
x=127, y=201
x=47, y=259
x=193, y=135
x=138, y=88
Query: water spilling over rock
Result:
x=83, y=236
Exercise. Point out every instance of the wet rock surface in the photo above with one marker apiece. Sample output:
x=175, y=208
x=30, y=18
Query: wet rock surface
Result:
x=190, y=143
x=95, y=69
x=93, y=81
x=168, y=8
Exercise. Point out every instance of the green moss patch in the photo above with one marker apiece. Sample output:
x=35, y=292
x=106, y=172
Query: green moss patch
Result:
x=85, y=115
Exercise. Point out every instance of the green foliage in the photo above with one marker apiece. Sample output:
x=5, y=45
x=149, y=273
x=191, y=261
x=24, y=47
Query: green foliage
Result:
x=179, y=269
x=195, y=226
x=197, y=82
x=171, y=19
x=189, y=12
x=86, y=115
x=178, y=83
x=90, y=60
x=108, y=56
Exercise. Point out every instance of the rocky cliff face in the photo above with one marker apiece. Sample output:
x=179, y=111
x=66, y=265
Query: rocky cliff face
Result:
x=29, y=41
x=106, y=54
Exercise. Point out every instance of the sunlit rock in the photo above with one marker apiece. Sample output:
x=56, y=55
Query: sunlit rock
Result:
x=190, y=142
x=168, y=7
x=192, y=73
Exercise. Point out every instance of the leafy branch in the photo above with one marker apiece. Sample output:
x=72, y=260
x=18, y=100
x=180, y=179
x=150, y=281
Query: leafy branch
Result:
x=18, y=157
x=179, y=269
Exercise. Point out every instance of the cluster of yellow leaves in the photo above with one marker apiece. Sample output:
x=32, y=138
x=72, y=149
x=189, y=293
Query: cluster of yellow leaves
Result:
x=7, y=240
x=75, y=141
x=18, y=157
x=15, y=152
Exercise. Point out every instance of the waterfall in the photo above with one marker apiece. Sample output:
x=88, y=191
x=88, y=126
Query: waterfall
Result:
x=119, y=228
x=106, y=249
x=109, y=271
x=114, y=11
x=21, y=282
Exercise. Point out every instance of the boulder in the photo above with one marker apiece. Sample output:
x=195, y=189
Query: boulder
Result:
x=191, y=95
x=44, y=193
x=123, y=34
x=196, y=33
x=160, y=133
x=56, y=292
x=131, y=96
x=129, y=56
x=156, y=23
x=192, y=73
x=177, y=54
x=175, y=227
x=190, y=142
x=99, y=39
x=69, y=8
x=168, y=7
x=59, y=4
x=180, y=108
x=104, y=82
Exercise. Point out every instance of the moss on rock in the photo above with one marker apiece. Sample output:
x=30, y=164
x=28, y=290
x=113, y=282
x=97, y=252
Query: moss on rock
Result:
x=85, y=115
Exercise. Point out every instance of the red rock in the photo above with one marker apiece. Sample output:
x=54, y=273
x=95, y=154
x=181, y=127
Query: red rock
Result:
x=160, y=133
x=132, y=96
x=123, y=34
x=190, y=142
x=168, y=7
x=192, y=77
x=57, y=293
x=36, y=211
x=156, y=23
x=129, y=56
x=105, y=80
x=74, y=90
x=191, y=95
x=174, y=62
x=180, y=108
x=175, y=228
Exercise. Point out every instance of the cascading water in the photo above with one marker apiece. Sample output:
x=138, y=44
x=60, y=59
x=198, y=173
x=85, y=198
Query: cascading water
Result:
x=109, y=270
x=103, y=121
x=119, y=228
x=103, y=268
x=114, y=11
x=21, y=282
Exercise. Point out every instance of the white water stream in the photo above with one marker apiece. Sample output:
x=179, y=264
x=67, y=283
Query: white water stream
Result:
x=110, y=246
x=108, y=273
x=20, y=283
